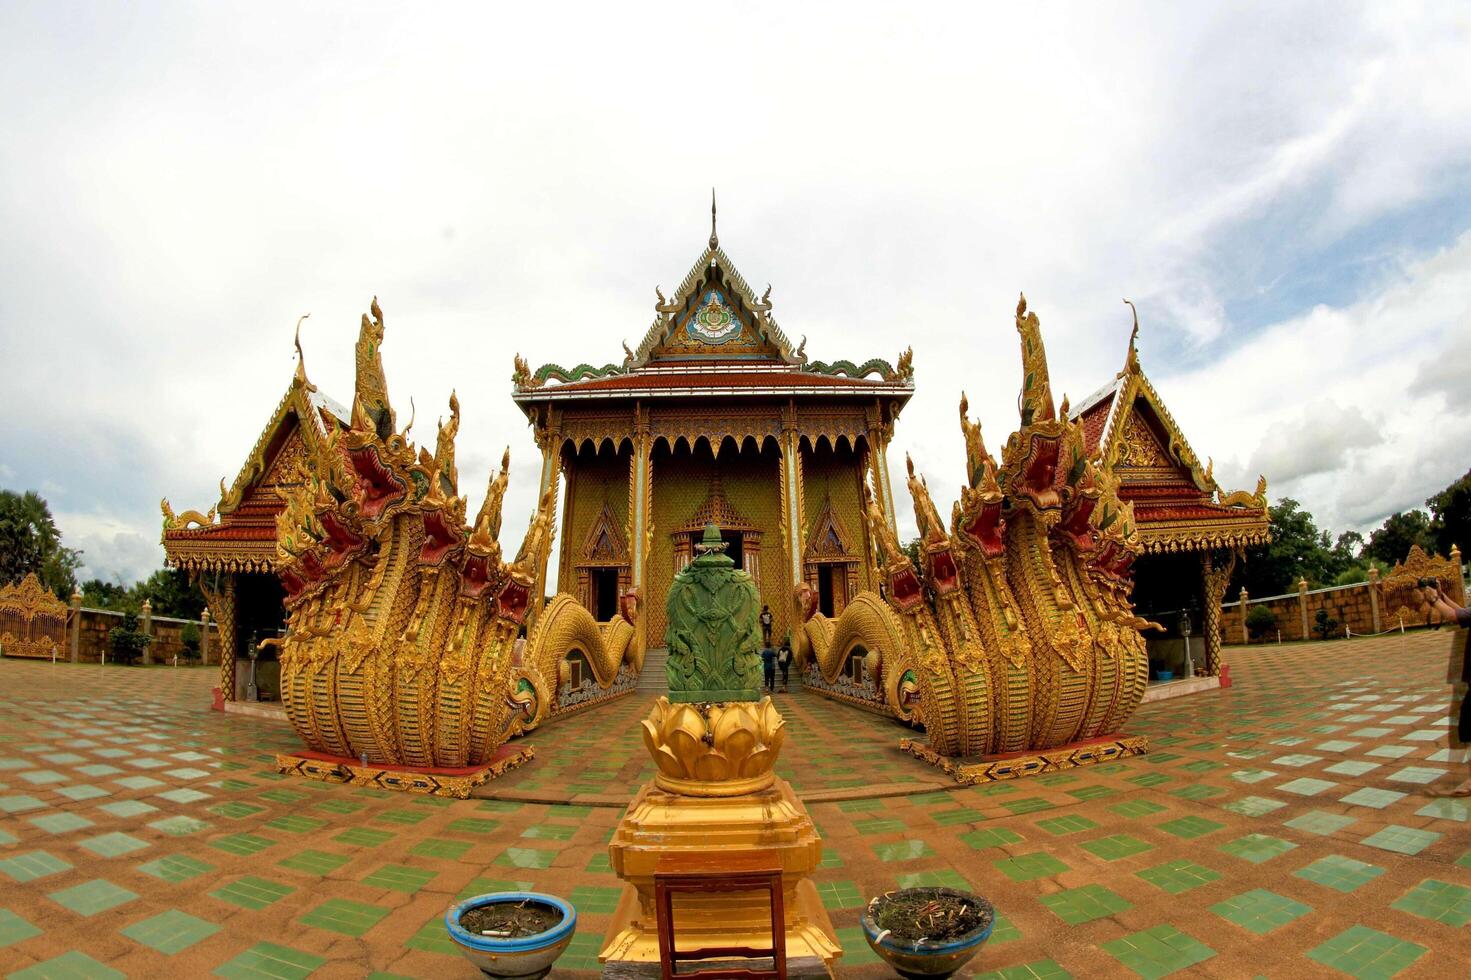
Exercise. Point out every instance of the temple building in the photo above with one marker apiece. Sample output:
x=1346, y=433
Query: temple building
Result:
x=1191, y=531
x=231, y=551
x=716, y=418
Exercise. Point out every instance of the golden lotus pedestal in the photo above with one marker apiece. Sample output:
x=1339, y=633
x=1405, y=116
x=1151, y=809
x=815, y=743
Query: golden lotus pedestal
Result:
x=757, y=820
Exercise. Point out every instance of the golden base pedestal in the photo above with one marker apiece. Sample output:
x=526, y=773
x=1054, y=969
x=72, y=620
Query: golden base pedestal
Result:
x=456, y=783
x=771, y=822
x=969, y=772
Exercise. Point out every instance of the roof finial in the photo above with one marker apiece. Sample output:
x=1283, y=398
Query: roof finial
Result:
x=300, y=357
x=714, y=240
x=1131, y=360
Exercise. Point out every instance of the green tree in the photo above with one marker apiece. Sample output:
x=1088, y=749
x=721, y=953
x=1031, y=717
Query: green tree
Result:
x=128, y=641
x=31, y=542
x=97, y=594
x=1393, y=540
x=1450, y=516
x=171, y=593
x=1297, y=550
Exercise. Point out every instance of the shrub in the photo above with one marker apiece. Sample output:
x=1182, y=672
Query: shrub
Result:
x=1260, y=620
x=189, y=637
x=128, y=641
x=1325, y=624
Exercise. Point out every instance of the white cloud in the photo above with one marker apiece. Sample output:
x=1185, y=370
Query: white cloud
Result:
x=179, y=184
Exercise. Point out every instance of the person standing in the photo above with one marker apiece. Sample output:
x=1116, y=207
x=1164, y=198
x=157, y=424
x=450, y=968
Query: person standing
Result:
x=768, y=667
x=784, y=661
x=766, y=625
x=1459, y=674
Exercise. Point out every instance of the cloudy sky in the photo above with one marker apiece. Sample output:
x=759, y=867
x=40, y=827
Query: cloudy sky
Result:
x=1283, y=189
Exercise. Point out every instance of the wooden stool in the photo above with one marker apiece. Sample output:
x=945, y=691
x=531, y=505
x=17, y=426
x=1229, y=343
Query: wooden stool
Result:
x=712, y=873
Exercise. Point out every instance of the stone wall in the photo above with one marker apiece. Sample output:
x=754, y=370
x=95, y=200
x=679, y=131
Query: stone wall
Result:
x=94, y=625
x=1351, y=605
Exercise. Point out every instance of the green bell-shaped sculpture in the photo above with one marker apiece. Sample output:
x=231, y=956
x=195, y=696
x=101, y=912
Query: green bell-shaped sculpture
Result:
x=714, y=636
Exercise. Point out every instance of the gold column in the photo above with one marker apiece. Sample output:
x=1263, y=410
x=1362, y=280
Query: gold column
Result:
x=640, y=501
x=1374, y=598
x=1214, y=576
x=1302, y=605
x=793, y=508
x=223, y=604
x=551, y=471
x=76, y=637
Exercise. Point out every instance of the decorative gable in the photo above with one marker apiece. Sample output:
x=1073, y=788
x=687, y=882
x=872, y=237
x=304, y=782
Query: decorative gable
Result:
x=604, y=545
x=829, y=540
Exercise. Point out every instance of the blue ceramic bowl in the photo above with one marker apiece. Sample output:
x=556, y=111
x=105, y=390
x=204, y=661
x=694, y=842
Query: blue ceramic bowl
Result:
x=930, y=959
x=527, y=957
x=1164, y=675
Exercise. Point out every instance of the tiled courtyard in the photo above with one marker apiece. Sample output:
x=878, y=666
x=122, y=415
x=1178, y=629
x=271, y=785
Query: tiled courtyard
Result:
x=1281, y=828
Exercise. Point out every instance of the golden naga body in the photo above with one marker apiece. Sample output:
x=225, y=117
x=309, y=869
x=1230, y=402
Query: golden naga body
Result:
x=1015, y=632
x=402, y=619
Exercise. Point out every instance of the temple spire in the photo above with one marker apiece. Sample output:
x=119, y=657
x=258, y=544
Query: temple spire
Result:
x=714, y=239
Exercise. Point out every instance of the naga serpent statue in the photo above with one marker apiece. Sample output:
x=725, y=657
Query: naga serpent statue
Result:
x=402, y=619
x=1016, y=630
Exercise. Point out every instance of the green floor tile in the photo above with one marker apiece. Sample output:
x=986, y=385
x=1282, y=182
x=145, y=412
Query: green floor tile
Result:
x=1079, y=905
x=1339, y=873
x=1260, y=911
x=91, y=897
x=1440, y=901
x=171, y=931
x=1030, y=804
x=840, y=895
x=268, y=960
x=251, y=892
x=595, y=899
x=1030, y=867
x=400, y=878
x=432, y=937
x=60, y=823
x=1070, y=824
x=1003, y=931
x=474, y=825
x=934, y=879
x=113, y=845
x=549, y=831
x=14, y=929
x=1190, y=827
x=904, y=850
x=242, y=844
x=1117, y=847
x=1178, y=876
x=1366, y=953
x=1319, y=822
x=1136, y=808
x=440, y=848
x=1158, y=952
x=1257, y=848
x=295, y=823
x=70, y=965
x=491, y=886
x=175, y=867
x=127, y=809
x=991, y=837
x=526, y=857
x=1402, y=840
x=315, y=862
x=343, y=916
x=364, y=837
x=1376, y=799
x=856, y=951
x=178, y=826
x=1040, y=970
x=32, y=865
x=957, y=815
x=406, y=816
x=880, y=825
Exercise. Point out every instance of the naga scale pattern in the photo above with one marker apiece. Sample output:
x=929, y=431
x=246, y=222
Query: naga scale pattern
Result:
x=1015, y=631
x=403, y=620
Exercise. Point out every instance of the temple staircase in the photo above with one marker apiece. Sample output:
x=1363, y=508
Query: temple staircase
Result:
x=652, y=679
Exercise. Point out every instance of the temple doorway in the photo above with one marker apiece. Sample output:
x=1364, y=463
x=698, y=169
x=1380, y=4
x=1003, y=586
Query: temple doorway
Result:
x=1169, y=589
x=825, y=590
x=605, y=593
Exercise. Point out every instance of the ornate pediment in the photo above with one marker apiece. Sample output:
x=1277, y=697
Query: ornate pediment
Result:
x=828, y=539
x=604, y=544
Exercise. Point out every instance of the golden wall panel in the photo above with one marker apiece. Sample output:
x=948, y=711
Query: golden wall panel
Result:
x=592, y=481
x=681, y=484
